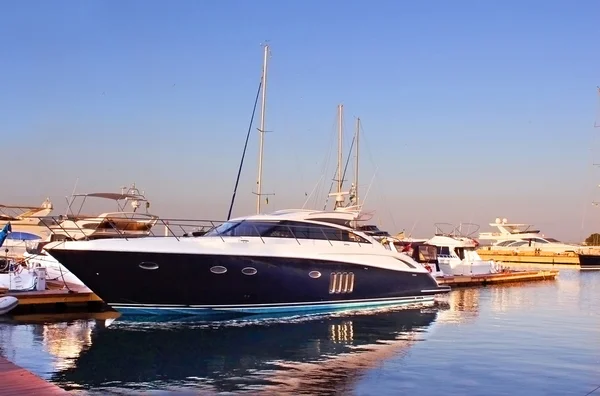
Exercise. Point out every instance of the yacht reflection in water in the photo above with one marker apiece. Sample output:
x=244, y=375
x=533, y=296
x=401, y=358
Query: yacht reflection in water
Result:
x=321, y=355
x=461, y=306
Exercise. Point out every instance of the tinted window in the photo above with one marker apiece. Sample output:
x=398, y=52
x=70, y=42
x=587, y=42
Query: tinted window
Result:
x=285, y=229
x=521, y=243
x=314, y=231
x=245, y=228
x=444, y=250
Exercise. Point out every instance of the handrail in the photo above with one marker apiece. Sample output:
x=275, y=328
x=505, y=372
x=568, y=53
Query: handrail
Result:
x=183, y=228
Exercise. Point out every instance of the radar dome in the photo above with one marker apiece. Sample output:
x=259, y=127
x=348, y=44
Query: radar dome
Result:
x=497, y=220
x=504, y=221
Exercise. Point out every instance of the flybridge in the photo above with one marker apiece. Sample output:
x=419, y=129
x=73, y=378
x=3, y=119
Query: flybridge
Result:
x=509, y=230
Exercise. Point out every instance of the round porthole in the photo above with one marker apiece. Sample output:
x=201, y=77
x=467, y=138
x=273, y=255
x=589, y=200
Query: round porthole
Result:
x=314, y=274
x=147, y=265
x=217, y=269
x=249, y=271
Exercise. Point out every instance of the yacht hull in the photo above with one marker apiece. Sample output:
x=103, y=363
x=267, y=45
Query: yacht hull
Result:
x=168, y=283
x=589, y=261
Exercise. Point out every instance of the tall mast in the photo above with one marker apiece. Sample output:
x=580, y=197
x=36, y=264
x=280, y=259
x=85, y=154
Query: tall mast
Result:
x=340, y=147
x=356, y=164
x=261, y=131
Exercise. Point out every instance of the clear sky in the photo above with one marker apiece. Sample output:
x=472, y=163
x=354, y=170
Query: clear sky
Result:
x=471, y=110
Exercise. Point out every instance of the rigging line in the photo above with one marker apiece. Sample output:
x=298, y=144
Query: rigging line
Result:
x=595, y=389
x=382, y=196
x=328, y=159
x=370, y=185
x=348, y=160
x=345, y=169
x=343, y=175
x=237, y=180
x=313, y=190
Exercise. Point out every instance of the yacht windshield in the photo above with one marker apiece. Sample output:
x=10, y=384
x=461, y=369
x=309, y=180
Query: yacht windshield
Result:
x=284, y=229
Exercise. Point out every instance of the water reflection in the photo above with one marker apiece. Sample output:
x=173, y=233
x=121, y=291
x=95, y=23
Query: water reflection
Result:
x=324, y=354
x=461, y=306
x=491, y=334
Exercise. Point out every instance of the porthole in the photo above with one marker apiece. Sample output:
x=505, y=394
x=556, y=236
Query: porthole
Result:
x=147, y=265
x=249, y=271
x=217, y=269
x=314, y=274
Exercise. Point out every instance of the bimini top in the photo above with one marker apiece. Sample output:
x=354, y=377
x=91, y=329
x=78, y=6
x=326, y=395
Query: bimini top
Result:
x=22, y=236
x=109, y=195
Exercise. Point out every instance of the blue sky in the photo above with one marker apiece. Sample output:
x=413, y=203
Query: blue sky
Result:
x=471, y=110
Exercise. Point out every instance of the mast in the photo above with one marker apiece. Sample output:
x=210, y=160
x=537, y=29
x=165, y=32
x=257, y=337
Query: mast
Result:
x=261, y=131
x=340, y=147
x=356, y=164
x=339, y=196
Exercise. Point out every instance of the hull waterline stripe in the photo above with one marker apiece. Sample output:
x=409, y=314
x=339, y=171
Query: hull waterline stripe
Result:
x=307, y=303
x=256, y=308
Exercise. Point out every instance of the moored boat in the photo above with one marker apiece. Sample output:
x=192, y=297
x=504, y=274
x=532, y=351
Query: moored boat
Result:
x=589, y=261
x=287, y=261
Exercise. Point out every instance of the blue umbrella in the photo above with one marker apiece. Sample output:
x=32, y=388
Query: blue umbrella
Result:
x=4, y=233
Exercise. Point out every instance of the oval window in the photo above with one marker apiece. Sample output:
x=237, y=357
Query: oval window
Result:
x=314, y=274
x=217, y=269
x=249, y=271
x=147, y=265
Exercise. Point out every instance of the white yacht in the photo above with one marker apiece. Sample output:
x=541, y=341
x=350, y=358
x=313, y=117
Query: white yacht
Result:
x=447, y=254
x=523, y=238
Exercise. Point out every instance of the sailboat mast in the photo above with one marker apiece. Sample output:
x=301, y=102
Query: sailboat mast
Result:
x=356, y=164
x=340, y=148
x=261, y=131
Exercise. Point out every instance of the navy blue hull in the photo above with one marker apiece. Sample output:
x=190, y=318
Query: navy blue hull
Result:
x=157, y=282
x=589, y=261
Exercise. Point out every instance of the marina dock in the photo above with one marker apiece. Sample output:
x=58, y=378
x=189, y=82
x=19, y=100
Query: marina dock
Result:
x=55, y=300
x=503, y=277
x=539, y=257
x=15, y=380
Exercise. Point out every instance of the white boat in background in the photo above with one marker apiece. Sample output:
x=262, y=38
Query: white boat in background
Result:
x=519, y=237
x=17, y=277
x=26, y=226
x=447, y=253
x=77, y=226
x=116, y=224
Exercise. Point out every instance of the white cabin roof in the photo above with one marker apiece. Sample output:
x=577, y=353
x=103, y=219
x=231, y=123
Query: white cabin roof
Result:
x=451, y=241
x=304, y=214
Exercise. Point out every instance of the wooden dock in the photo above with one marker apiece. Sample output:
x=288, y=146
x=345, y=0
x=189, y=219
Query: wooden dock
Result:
x=55, y=300
x=529, y=257
x=15, y=380
x=502, y=277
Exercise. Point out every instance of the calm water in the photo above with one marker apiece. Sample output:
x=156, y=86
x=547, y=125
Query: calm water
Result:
x=531, y=339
